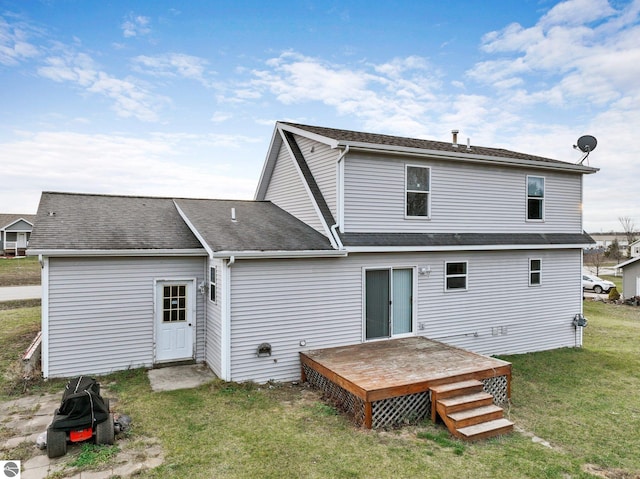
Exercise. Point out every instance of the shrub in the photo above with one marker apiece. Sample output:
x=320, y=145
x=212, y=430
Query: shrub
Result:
x=613, y=294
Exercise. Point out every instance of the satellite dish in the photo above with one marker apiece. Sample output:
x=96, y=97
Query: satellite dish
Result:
x=586, y=144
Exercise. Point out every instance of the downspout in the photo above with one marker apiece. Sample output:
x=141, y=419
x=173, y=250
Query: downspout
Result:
x=339, y=198
x=225, y=332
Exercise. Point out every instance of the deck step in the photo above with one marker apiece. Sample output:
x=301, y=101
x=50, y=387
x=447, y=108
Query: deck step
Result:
x=465, y=401
x=476, y=415
x=455, y=389
x=486, y=429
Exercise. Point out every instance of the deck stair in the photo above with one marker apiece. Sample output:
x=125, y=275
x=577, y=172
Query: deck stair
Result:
x=468, y=411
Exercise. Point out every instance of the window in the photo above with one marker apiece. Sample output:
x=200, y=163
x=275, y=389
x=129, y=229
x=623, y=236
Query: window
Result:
x=212, y=284
x=456, y=276
x=418, y=186
x=535, y=272
x=174, y=304
x=535, y=198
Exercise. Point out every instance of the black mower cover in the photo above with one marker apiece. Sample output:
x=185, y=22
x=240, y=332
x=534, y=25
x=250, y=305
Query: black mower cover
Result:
x=81, y=406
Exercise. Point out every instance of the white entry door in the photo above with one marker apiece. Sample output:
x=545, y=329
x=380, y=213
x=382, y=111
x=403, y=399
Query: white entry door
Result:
x=22, y=240
x=175, y=320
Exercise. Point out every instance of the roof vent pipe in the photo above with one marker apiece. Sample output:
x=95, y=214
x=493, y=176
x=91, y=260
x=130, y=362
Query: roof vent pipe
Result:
x=233, y=214
x=454, y=142
x=468, y=143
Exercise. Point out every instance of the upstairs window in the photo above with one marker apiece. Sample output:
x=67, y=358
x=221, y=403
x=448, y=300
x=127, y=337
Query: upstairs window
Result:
x=535, y=198
x=418, y=191
x=456, y=276
x=535, y=272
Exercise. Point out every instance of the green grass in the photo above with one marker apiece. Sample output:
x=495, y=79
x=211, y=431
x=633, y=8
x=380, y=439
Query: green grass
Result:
x=584, y=402
x=19, y=271
x=92, y=456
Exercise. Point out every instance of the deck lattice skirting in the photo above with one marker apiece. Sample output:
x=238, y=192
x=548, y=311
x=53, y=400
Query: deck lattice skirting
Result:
x=392, y=404
x=395, y=411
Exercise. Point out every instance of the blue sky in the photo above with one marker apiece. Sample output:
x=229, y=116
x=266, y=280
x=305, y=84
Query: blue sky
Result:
x=180, y=98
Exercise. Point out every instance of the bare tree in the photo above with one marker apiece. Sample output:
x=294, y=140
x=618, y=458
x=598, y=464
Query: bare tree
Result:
x=594, y=259
x=629, y=228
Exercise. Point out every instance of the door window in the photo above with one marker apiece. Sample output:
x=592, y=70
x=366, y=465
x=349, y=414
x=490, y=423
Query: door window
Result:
x=388, y=302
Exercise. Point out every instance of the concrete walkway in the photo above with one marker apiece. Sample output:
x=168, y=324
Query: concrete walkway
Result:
x=12, y=293
x=180, y=377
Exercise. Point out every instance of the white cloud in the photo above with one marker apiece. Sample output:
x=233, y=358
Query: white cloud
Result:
x=156, y=165
x=135, y=26
x=129, y=98
x=173, y=65
x=14, y=44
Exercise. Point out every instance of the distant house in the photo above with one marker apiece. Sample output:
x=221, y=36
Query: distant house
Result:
x=15, y=231
x=630, y=277
x=352, y=238
x=634, y=249
x=604, y=240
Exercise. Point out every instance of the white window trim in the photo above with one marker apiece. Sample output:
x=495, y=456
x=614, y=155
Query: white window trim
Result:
x=406, y=190
x=539, y=271
x=213, y=284
x=543, y=199
x=466, y=276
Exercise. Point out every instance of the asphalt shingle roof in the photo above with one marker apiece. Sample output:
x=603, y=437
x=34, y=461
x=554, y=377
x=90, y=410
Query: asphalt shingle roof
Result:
x=6, y=219
x=71, y=221
x=259, y=226
x=349, y=136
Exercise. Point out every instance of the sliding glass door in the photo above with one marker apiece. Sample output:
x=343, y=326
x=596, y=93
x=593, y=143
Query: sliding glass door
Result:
x=388, y=302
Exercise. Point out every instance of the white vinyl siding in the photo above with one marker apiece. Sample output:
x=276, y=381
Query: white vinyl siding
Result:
x=321, y=302
x=213, y=351
x=287, y=190
x=322, y=163
x=465, y=197
x=101, y=311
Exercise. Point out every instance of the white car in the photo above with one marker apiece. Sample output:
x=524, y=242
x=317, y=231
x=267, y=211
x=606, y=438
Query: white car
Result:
x=598, y=285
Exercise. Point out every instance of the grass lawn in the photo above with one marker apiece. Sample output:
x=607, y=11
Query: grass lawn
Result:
x=584, y=402
x=19, y=271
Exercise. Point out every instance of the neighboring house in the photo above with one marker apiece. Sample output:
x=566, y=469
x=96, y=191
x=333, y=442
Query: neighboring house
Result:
x=630, y=277
x=15, y=231
x=352, y=237
x=634, y=249
x=604, y=240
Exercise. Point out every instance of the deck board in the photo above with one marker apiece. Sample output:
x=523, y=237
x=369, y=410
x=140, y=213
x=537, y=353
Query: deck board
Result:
x=383, y=369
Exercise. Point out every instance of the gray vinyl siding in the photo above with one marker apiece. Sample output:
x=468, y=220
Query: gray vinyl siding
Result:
x=630, y=275
x=322, y=163
x=101, y=311
x=286, y=189
x=213, y=351
x=320, y=301
x=464, y=198
x=20, y=226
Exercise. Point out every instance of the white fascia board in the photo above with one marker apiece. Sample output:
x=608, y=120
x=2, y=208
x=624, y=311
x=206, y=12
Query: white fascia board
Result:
x=44, y=316
x=117, y=252
x=193, y=229
x=307, y=134
x=305, y=184
x=268, y=165
x=409, y=249
x=280, y=254
x=625, y=263
x=468, y=157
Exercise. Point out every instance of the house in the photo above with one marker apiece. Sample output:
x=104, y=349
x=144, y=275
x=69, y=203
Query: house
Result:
x=634, y=249
x=351, y=238
x=15, y=231
x=630, y=277
x=604, y=240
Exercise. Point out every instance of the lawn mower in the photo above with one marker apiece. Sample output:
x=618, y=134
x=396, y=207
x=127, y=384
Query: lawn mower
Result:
x=83, y=415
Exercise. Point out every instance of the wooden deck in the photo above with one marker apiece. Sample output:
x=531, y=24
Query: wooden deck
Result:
x=392, y=378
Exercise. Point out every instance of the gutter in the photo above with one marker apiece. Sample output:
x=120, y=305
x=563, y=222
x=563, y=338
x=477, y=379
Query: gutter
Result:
x=279, y=254
x=117, y=252
x=340, y=199
x=470, y=247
